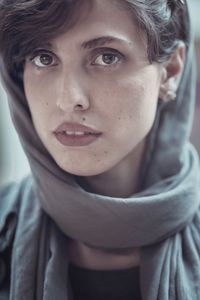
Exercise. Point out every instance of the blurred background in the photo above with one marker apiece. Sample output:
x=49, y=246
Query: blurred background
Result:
x=13, y=163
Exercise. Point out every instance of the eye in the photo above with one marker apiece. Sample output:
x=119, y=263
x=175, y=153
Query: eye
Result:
x=107, y=57
x=43, y=59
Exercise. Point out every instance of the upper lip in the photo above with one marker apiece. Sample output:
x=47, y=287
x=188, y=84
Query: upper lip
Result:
x=75, y=127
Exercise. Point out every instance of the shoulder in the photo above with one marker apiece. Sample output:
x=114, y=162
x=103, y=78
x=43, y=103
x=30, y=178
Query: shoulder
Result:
x=11, y=196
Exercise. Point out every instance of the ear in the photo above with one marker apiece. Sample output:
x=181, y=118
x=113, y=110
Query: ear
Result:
x=172, y=71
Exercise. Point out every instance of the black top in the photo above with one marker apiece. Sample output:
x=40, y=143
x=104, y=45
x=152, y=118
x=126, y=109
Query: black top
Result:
x=104, y=284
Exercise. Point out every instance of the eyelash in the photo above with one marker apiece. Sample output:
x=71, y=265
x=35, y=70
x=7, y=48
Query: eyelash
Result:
x=97, y=53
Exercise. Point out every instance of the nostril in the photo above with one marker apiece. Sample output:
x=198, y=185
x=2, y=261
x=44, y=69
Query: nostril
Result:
x=79, y=107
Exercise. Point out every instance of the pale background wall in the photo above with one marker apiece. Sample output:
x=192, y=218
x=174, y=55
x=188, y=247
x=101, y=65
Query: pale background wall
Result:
x=13, y=163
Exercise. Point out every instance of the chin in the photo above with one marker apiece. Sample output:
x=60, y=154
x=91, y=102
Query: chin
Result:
x=79, y=170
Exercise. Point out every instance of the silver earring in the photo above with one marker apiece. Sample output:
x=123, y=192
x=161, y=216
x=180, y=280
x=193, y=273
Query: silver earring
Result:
x=170, y=95
x=167, y=95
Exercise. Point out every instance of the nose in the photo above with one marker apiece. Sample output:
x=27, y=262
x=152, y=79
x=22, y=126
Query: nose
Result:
x=71, y=94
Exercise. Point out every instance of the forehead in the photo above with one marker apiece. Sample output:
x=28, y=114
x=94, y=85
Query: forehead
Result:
x=103, y=18
x=105, y=13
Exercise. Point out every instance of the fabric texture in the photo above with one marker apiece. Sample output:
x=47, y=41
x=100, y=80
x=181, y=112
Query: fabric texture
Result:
x=163, y=219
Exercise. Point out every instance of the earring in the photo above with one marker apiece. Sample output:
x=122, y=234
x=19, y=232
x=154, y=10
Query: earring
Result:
x=170, y=95
x=166, y=95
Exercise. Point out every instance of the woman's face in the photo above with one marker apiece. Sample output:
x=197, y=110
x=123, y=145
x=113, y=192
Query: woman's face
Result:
x=96, y=74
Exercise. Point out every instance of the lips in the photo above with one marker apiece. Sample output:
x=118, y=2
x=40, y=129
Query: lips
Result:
x=73, y=134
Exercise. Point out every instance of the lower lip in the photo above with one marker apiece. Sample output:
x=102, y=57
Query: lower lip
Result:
x=77, y=141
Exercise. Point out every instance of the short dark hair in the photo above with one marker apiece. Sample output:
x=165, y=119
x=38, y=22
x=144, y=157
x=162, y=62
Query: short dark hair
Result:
x=165, y=22
x=25, y=23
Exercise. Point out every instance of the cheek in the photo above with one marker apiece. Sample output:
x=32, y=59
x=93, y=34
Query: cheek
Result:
x=130, y=101
x=39, y=95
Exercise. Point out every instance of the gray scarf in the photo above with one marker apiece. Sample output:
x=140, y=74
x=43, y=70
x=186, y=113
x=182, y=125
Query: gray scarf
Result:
x=163, y=219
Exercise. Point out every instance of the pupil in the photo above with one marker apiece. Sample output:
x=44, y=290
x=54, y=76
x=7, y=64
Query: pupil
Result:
x=46, y=59
x=108, y=58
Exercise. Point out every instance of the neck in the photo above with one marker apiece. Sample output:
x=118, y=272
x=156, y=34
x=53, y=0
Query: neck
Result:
x=98, y=259
x=121, y=181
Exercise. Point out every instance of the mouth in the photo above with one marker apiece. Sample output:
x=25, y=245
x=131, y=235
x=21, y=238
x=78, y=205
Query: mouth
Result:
x=71, y=134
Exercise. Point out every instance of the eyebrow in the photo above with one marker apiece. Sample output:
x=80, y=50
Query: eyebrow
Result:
x=100, y=42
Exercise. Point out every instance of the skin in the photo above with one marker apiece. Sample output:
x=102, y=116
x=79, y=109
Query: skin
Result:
x=118, y=99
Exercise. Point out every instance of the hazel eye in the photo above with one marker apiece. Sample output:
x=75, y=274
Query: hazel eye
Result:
x=43, y=60
x=107, y=59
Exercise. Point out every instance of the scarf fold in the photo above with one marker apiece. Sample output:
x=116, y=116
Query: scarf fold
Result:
x=163, y=219
x=169, y=269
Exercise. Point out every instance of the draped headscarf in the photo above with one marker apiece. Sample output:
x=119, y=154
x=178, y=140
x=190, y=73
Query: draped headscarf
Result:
x=163, y=219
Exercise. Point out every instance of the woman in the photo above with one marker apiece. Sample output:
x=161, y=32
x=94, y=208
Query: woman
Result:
x=101, y=94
